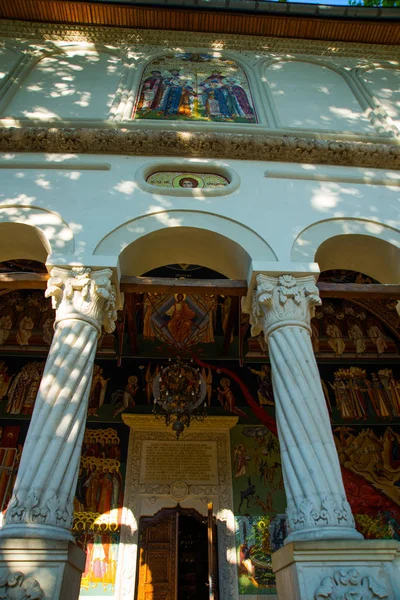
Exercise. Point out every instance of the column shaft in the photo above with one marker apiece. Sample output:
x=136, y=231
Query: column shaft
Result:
x=317, y=507
x=42, y=502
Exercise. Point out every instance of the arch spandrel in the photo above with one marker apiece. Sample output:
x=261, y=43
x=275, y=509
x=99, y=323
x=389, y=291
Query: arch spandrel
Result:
x=355, y=244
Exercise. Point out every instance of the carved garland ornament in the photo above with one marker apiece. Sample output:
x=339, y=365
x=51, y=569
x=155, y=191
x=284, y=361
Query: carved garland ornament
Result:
x=350, y=585
x=16, y=586
x=142, y=142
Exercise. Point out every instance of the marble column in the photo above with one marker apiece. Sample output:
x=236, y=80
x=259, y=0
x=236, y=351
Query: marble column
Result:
x=317, y=507
x=42, y=502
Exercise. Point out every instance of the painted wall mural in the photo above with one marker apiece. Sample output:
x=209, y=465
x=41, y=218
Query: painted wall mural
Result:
x=98, y=502
x=259, y=498
x=186, y=180
x=195, y=87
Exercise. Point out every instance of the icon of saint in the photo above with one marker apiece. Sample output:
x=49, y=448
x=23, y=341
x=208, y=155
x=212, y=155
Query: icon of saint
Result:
x=180, y=324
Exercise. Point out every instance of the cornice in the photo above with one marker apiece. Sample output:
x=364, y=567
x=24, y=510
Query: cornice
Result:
x=148, y=422
x=178, y=39
x=158, y=142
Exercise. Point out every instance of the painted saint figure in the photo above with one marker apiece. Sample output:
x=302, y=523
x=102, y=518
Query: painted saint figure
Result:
x=171, y=98
x=237, y=100
x=152, y=92
x=97, y=392
x=180, y=324
x=23, y=390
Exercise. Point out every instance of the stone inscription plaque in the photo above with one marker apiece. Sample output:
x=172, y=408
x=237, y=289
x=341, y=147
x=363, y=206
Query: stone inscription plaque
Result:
x=167, y=462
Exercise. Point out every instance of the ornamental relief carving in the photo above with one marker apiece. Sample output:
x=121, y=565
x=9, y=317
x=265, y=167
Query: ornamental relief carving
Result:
x=17, y=586
x=157, y=142
x=349, y=585
x=142, y=497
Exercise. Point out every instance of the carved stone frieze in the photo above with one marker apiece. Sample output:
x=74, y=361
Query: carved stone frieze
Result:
x=346, y=585
x=156, y=142
x=16, y=586
x=178, y=39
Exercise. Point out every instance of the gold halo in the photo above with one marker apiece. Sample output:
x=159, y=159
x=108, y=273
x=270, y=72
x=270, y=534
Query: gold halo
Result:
x=177, y=179
x=180, y=294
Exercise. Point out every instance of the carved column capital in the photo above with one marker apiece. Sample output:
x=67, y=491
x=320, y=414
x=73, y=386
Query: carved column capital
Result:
x=281, y=301
x=85, y=295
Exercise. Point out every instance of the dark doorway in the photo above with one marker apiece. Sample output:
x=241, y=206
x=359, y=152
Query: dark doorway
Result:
x=192, y=559
x=174, y=550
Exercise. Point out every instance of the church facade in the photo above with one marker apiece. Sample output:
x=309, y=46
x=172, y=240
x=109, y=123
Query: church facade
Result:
x=219, y=210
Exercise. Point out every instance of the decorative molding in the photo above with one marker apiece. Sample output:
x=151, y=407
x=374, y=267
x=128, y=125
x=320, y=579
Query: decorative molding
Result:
x=328, y=511
x=16, y=585
x=147, y=499
x=178, y=39
x=241, y=146
x=279, y=301
x=82, y=294
x=149, y=423
x=351, y=584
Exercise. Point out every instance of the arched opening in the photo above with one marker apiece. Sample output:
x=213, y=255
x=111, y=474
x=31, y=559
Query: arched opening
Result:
x=186, y=245
x=22, y=241
x=370, y=255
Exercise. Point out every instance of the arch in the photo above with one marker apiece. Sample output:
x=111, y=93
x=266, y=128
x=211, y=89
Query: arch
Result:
x=55, y=89
x=33, y=233
x=382, y=83
x=355, y=244
x=314, y=95
x=174, y=236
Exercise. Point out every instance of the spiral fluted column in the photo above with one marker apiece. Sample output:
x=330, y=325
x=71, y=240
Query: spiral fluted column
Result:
x=42, y=502
x=317, y=507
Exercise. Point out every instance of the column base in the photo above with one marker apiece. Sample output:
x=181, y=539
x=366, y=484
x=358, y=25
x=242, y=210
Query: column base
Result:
x=324, y=533
x=55, y=566
x=337, y=569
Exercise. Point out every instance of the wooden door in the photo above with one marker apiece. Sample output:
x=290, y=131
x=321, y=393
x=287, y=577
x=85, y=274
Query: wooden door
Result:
x=158, y=557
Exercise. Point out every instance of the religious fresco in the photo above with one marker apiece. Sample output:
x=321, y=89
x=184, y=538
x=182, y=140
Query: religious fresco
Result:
x=185, y=180
x=194, y=87
x=27, y=323
x=98, y=508
x=10, y=456
x=343, y=329
x=255, y=575
x=98, y=501
x=179, y=320
x=258, y=497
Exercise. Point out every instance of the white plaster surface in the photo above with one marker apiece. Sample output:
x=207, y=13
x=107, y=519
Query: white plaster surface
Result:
x=265, y=220
x=301, y=567
x=56, y=566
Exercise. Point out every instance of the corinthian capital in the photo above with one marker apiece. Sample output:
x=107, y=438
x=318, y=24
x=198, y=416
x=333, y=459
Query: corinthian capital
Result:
x=280, y=301
x=83, y=294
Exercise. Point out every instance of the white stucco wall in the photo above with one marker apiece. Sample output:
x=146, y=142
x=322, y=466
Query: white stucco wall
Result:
x=90, y=208
x=59, y=82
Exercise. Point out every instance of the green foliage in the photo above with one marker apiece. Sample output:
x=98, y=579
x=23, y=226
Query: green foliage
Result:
x=377, y=3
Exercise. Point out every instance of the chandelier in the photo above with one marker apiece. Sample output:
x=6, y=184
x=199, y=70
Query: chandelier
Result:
x=179, y=392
